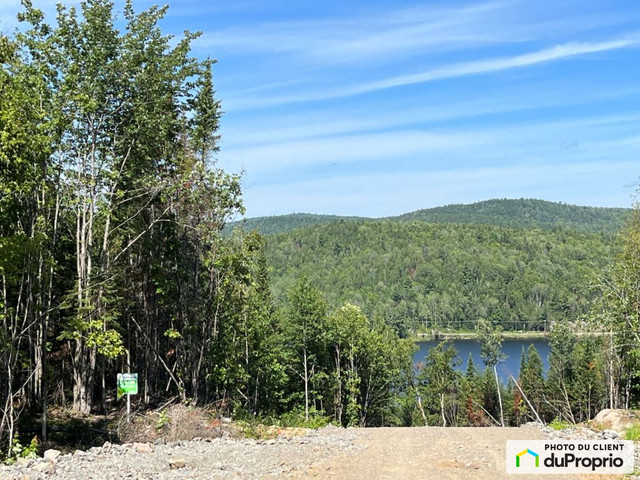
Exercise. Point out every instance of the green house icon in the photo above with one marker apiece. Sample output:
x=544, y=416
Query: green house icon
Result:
x=530, y=452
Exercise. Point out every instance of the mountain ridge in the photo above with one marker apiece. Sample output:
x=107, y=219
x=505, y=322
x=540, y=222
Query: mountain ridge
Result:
x=523, y=212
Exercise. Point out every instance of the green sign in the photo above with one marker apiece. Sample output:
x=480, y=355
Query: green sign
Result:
x=127, y=384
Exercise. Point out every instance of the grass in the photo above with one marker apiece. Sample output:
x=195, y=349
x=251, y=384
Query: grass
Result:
x=633, y=432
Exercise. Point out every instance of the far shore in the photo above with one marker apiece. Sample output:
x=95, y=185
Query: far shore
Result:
x=425, y=337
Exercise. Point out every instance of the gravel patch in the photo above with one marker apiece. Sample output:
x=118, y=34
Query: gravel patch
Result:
x=283, y=457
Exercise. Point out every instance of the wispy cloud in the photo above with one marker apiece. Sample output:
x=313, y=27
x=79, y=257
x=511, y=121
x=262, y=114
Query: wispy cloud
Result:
x=337, y=41
x=455, y=70
x=320, y=123
x=592, y=139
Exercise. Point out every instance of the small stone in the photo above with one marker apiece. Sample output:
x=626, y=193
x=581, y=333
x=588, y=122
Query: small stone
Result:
x=24, y=476
x=610, y=434
x=44, y=467
x=79, y=453
x=106, y=445
x=176, y=463
x=143, y=447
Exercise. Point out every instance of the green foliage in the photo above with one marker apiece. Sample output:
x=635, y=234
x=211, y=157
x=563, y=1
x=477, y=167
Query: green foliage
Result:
x=439, y=382
x=163, y=419
x=285, y=223
x=295, y=418
x=617, y=311
x=558, y=424
x=17, y=450
x=528, y=213
x=490, y=338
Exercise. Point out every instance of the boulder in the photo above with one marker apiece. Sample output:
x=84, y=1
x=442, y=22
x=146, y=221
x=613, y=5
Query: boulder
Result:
x=617, y=420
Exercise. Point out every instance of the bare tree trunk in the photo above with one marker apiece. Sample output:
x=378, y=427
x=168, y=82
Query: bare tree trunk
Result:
x=495, y=372
x=306, y=385
x=338, y=395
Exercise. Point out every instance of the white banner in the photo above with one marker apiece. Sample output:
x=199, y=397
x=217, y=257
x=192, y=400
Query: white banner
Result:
x=544, y=457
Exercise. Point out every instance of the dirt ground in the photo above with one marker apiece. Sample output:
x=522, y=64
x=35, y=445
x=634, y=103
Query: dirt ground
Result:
x=431, y=453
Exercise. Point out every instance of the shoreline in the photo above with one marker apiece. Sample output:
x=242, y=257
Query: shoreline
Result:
x=425, y=337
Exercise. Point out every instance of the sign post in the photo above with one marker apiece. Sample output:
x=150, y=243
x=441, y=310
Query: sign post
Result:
x=127, y=385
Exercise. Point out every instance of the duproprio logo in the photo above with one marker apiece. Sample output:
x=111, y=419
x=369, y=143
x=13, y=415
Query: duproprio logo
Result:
x=530, y=452
x=541, y=457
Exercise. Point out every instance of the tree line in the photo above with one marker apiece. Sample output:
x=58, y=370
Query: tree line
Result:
x=111, y=253
x=520, y=213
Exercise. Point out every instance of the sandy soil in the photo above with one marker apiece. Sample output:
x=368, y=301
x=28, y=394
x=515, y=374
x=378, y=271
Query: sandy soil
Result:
x=431, y=453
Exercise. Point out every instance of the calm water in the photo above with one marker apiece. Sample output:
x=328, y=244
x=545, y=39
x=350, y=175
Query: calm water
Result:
x=511, y=347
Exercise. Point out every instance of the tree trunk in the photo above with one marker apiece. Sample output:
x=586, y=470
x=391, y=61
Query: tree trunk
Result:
x=495, y=372
x=338, y=395
x=306, y=385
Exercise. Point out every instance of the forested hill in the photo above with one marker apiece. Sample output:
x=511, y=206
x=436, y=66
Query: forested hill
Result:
x=526, y=213
x=284, y=223
x=416, y=274
x=513, y=213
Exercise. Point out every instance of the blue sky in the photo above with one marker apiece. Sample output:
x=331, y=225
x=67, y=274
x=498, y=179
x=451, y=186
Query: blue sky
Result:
x=381, y=107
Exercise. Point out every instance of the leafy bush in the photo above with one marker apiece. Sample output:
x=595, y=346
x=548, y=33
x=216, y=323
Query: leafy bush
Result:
x=19, y=451
x=296, y=419
x=557, y=424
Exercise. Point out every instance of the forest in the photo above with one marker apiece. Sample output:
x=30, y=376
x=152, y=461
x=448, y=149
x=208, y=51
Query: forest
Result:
x=114, y=257
x=426, y=277
x=524, y=212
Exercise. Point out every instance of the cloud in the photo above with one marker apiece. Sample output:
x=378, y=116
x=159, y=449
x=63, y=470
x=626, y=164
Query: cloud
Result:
x=596, y=138
x=344, y=120
x=359, y=38
x=382, y=146
x=455, y=70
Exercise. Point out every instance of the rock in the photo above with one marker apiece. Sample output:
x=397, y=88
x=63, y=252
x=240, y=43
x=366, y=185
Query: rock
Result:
x=24, y=476
x=176, y=463
x=79, y=453
x=143, y=447
x=24, y=462
x=51, y=454
x=44, y=467
x=610, y=434
x=614, y=419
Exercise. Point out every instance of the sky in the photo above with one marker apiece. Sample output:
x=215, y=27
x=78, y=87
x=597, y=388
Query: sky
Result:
x=379, y=107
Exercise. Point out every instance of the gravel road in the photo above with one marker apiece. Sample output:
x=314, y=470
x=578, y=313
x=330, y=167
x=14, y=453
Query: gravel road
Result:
x=330, y=453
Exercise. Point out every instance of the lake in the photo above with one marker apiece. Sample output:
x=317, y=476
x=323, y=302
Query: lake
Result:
x=511, y=347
